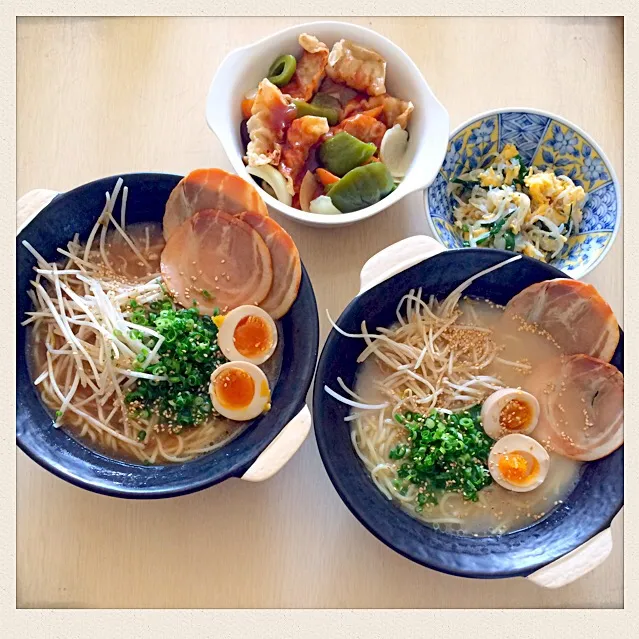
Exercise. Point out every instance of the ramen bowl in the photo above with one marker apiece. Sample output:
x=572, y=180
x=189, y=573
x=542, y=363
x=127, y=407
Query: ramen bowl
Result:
x=259, y=451
x=567, y=542
x=548, y=142
x=244, y=68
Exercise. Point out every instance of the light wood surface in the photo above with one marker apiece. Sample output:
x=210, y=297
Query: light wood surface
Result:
x=99, y=96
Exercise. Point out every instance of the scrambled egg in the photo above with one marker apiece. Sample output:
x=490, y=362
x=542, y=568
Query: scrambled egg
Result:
x=531, y=251
x=509, y=152
x=503, y=161
x=512, y=199
x=490, y=178
x=551, y=197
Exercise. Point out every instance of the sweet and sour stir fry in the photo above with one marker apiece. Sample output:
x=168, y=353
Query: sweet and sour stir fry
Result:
x=321, y=132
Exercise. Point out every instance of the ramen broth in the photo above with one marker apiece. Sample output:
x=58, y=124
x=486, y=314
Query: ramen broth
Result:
x=213, y=433
x=497, y=510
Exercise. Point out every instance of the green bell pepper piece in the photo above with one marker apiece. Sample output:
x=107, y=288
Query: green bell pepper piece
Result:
x=326, y=101
x=343, y=152
x=305, y=108
x=361, y=187
x=282, y=70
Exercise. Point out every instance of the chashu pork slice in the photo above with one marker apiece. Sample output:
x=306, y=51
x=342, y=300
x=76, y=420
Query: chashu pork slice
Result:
x=209, y=189
x=581, y=406
x=573, y=313
x=218, y=261
x=287, y=267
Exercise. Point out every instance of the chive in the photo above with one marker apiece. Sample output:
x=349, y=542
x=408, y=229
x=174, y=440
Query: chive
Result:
x=523, y=171
x=58, y=413
x=141, y=435
x=468, y=183
x=206, y=294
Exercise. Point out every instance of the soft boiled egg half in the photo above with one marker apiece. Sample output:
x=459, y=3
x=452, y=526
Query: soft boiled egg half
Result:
x=518, y=463
x=246, y=334
x=240, y=391
x=509, y=410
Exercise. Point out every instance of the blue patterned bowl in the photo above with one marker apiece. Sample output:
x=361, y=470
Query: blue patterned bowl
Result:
x=548, y=142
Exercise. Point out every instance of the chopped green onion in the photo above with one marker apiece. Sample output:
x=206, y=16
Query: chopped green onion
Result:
x=187, y=357
x=445, y=453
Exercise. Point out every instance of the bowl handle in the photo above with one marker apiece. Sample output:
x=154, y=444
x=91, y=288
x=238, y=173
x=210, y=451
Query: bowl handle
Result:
x=575, y=564
x=30, y=204
x=282, y=448
x=216, y=115
x=397, y=258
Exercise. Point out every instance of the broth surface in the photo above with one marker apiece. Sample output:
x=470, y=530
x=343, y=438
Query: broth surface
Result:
x=210, y=435
x=498, y=510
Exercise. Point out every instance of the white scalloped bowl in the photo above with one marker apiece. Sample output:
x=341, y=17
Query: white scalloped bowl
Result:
x=243, y=68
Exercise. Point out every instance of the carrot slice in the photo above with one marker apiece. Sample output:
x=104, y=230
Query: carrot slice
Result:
x=247, y=105
x=326, y=177
x=374, y=112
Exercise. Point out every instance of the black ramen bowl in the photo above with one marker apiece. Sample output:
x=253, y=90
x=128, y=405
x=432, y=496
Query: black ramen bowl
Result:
x=76, y=212
x=588, y=510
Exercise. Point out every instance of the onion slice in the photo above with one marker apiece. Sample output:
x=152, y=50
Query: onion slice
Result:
x=308, y=189
x=392, y=151
x=324, y=205
x=274, y=179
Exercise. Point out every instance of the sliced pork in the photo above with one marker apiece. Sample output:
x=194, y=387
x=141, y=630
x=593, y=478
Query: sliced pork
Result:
x=287, y=267
x=209, y=189
x=271, y=114
x=301, y=136
x=572, y=313
x=360, y=68
x=310, y=69
x=363, y=127
x=581, y=406
x=217, y=260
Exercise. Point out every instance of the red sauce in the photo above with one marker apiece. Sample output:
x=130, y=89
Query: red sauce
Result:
x=280, y=118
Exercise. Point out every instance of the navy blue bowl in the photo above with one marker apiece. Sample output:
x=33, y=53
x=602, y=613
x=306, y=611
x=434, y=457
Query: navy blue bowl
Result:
x=589, y=509
x=76, y=212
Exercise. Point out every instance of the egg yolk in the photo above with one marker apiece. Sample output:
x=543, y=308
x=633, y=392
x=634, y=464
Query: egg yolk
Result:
x=516, y=469
x=234, y=388
x=252, y=336
x=515, y=415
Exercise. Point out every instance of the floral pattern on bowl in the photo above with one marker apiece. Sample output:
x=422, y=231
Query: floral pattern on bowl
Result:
x=550, y=143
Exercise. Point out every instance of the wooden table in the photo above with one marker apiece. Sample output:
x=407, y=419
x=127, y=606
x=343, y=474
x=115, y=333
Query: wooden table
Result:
x=99, y=96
